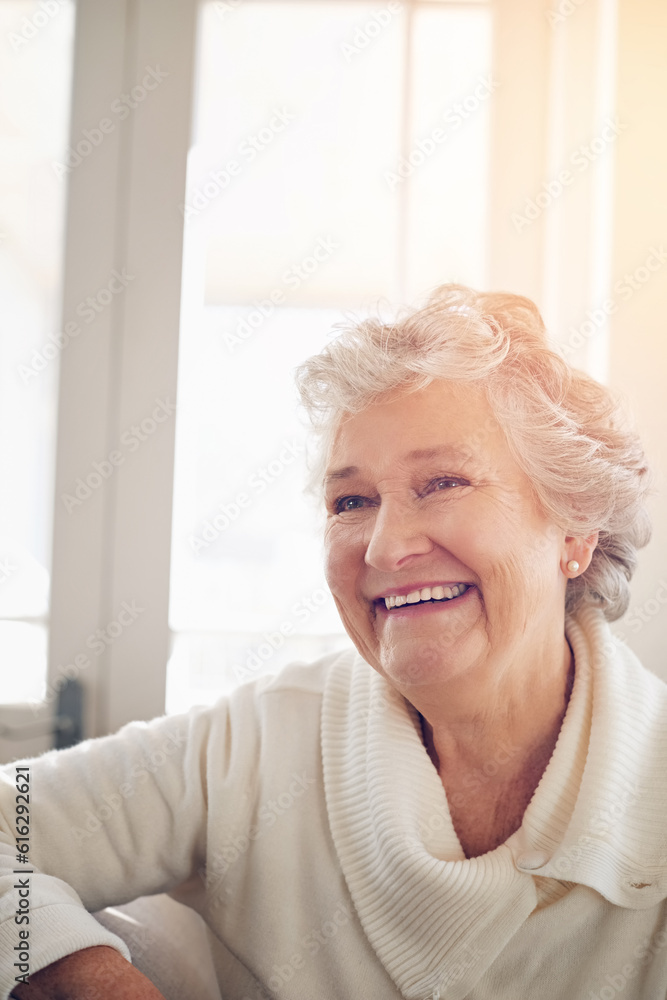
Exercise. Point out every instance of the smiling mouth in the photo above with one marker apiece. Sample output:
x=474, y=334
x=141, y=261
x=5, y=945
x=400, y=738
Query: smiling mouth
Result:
x=427, y=595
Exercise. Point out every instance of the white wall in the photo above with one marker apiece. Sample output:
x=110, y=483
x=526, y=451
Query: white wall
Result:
x=639, y=328
x=561, y=79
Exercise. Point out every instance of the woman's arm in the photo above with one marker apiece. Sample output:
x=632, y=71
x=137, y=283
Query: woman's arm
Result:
x=93, y=974
x=99, y=824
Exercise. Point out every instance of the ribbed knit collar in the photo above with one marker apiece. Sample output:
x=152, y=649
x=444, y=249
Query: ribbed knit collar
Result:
x=438, y=920
x=616, y=840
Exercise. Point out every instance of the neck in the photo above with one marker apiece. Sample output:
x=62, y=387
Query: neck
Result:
x=507, y=724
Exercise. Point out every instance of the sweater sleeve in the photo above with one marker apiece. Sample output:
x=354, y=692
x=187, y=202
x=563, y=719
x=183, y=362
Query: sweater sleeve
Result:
x=97, y=825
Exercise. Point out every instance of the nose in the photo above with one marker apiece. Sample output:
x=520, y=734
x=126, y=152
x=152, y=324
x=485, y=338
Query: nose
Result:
x=397, y=535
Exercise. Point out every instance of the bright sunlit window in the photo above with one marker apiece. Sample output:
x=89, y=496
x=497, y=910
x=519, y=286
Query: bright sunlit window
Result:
x=35, y=82
x=338, y=161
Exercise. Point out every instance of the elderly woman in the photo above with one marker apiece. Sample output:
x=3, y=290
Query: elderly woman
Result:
x=472, y=803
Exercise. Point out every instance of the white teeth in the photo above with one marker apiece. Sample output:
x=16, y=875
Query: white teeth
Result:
x=425, y=594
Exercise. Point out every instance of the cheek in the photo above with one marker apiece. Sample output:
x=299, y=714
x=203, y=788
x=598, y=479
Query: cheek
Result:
x=522, y=582
x=513, y=558
x=475, y=543
x=498, y=540
x=342, y=559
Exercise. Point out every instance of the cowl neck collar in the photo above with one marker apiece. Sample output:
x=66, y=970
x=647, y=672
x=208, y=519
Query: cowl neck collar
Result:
x=436, y=919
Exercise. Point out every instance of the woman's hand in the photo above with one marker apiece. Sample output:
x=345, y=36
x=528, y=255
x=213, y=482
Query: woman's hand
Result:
x=99, y=973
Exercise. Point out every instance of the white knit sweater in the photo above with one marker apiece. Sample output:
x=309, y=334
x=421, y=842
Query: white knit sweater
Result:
x=303, y=819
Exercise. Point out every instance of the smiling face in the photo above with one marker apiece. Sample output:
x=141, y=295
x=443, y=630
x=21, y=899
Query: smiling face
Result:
x=429, y=513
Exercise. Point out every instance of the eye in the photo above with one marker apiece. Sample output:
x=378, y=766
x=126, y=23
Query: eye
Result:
x=444, y=483
x=348, y=503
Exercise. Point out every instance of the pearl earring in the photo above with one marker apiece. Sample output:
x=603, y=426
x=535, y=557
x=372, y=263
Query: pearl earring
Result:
x=573, y=566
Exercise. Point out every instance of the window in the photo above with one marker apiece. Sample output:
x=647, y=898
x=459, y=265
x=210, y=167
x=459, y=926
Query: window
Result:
x=339, y=158
x=35, y=83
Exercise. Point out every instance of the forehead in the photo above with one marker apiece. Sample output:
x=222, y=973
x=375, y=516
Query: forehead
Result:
x=447, y=421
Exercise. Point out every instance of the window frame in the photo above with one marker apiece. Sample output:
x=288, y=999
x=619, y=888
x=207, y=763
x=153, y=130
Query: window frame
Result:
x=115, y=548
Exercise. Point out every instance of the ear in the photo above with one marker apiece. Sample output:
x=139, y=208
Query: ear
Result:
x=579, y=550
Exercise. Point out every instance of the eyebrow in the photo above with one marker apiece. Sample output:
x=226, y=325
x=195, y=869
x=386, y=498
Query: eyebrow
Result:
x=346, y=473
x=418, y=455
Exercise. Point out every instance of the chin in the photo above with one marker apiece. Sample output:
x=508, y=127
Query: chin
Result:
x=425, y=670
x=432, y=660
